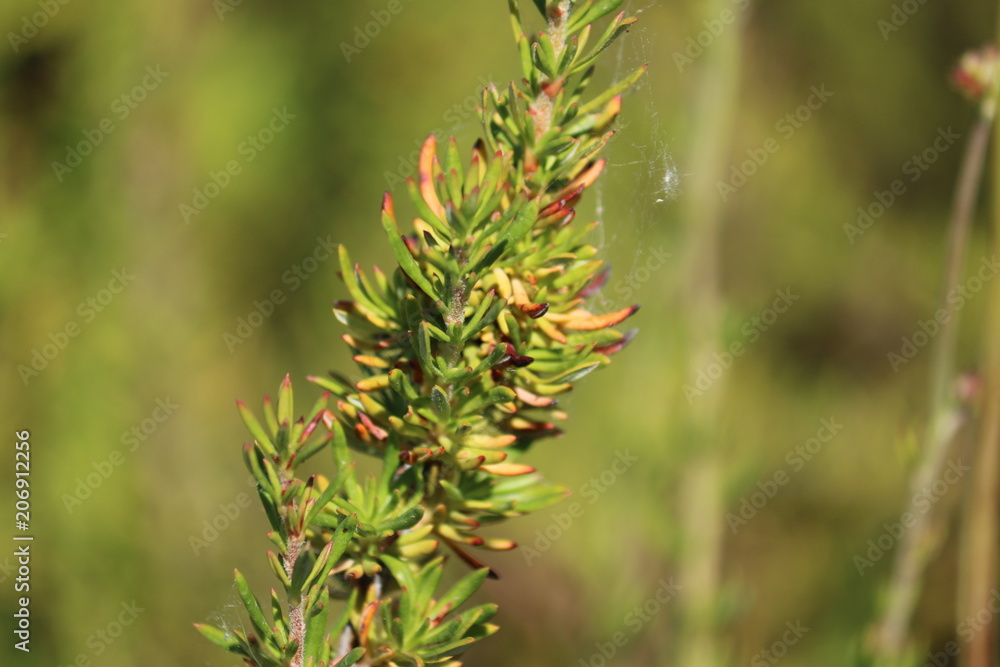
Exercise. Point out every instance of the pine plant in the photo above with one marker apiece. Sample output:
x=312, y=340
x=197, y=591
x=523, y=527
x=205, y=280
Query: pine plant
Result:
x=463, y=349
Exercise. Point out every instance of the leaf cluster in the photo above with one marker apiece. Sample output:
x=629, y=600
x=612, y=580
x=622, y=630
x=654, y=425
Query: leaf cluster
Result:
x=462, y=352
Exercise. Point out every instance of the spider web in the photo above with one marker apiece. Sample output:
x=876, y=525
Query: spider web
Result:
x=230, y=616
x=647, y=158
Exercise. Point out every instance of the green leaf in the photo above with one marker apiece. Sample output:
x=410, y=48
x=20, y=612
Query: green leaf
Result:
x=539, y=498
x=489, y=258
x=280, y=622
x=582, y=125
x=470, y=618
x=342, y=537
x=253, y=607
x=342, y=457
x=219, y=638
x=337, y=384
x=319, y=503
x=270, y=418
x=403, y=256
x=285, y=657
x=430, y=577
x=595, y=12
x=278, y=569
x=437, y=332
x=515, y=17
x=490, y=360
x=568, y=56
x=271, y=511
x=451, y=634
x=574, y=374
x=285, y=404
x=426, y=214
x=461, y=591
x=500, y=395
x=544, y=56
x=424, y=351
x=316, y=626
x=351, y=658
x=615, y=28
x=472, y=326
x=401, y=572
x=350, y=277
x=521, y=224
x=252, y=457
x=454, y=171
x=300, y=572
x=390, y=461
x=256, y=430
x=401, y=384
x=616, y=89
x=274, y=484
x=320, y=569
x=478, y=401
x=440, y=402
x=403, y=521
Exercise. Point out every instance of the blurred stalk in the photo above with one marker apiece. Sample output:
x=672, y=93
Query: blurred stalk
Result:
x=921, y=541
x=701, y=494
x=978, y=561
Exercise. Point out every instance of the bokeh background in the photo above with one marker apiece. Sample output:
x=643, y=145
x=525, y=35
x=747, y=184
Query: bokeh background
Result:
x=203, y=81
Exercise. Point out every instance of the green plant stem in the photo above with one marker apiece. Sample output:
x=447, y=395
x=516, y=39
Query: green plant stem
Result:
x=701, y=495
x=919, y=544
x=979, y=553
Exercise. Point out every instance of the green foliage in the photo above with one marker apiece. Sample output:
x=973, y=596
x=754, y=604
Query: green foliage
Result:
x=462, y=350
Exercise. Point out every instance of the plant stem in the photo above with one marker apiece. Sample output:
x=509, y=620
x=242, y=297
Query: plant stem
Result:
x=918, y=544
x=296, y=621
x=701, y=496
x=557, y=23
x=979, y=549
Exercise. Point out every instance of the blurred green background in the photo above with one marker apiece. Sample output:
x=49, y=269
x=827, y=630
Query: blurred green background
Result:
x=145, y=105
